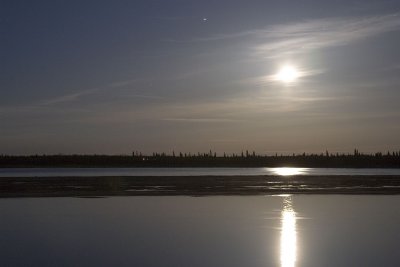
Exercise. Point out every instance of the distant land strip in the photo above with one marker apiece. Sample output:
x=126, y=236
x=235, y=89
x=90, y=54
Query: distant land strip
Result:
x=209, y=159
x=195, y=185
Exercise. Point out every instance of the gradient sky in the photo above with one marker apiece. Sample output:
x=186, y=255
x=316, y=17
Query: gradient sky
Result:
x=117, y=76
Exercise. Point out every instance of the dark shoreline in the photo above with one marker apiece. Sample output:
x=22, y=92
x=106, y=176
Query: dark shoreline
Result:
x=11, y=187
x=207, y=160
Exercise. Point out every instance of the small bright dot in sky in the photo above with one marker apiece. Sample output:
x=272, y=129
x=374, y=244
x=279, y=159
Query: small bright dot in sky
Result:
x=204, y=19
x=287, y=74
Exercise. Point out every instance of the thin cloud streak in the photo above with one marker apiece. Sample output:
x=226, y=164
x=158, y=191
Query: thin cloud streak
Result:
x=77, y=95
x=68, y=97
x=112, y=86
x=301, y=37
x=122, y=83
x=206, y=120
x=267, y=79
x=147, y=96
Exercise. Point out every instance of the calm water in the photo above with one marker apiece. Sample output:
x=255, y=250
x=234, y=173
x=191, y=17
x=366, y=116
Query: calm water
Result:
x=41, y=172
x=286, y=231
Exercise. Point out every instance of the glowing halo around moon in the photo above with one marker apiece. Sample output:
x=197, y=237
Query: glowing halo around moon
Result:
x=287, y=74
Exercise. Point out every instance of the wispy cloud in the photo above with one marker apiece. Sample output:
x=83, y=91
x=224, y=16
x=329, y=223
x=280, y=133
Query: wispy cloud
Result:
x=199, y=120
x=311, y=35
x=146, y=96
x=272, y=78
x=68, y=97
x=174, y=18
x=304, y=36
x=118, y=85
x=122, y=83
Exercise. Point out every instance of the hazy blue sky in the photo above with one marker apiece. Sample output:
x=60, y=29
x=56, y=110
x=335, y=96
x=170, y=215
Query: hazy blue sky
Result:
x=116, y=76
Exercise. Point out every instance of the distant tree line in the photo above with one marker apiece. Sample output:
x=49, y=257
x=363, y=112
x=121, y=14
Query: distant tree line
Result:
x=209, y=159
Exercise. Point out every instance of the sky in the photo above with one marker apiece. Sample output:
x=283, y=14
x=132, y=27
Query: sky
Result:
x=112, y=77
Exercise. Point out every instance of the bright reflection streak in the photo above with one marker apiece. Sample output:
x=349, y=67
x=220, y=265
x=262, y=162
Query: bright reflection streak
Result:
x=288, y=234
x=286, y=171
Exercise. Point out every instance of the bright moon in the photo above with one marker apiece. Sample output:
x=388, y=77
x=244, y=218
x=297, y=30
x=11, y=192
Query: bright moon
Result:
x=287, y=74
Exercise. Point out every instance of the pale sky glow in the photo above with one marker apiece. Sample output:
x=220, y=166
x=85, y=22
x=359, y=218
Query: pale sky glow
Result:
x=194, y=75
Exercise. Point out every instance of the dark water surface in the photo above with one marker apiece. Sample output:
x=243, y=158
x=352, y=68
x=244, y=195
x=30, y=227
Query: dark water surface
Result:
x=286, y=231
